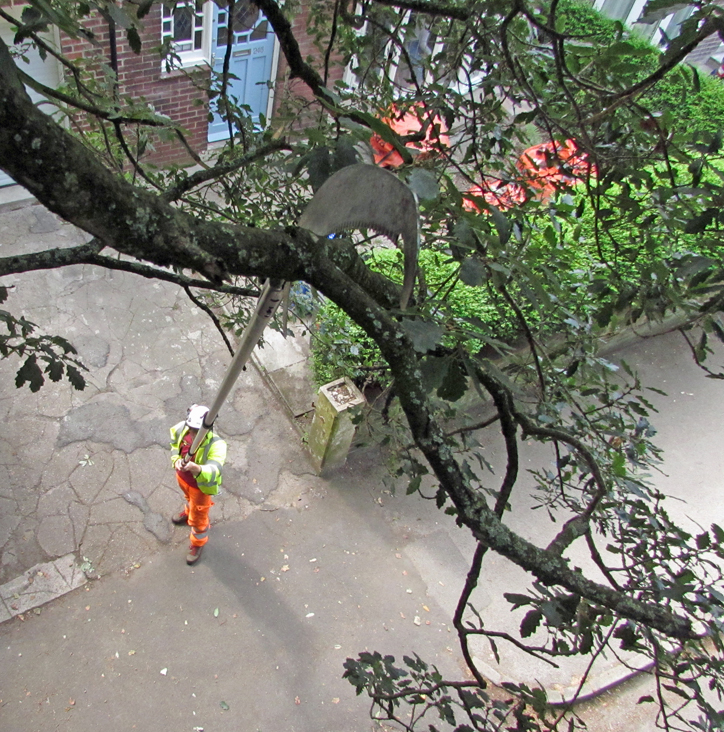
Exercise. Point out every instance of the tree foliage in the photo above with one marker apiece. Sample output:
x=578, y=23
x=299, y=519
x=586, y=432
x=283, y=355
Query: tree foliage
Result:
x=496, y=77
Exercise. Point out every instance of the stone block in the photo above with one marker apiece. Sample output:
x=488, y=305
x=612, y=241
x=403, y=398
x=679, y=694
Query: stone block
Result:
x=332, y=430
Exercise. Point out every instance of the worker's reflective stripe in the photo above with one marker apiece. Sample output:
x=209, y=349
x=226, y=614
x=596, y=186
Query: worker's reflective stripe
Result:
x=200, y=534
x=215, y=467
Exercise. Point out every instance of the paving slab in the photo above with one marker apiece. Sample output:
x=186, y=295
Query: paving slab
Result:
x=42, y=584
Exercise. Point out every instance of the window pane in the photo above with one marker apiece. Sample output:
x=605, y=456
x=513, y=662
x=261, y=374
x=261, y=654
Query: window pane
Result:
x=260, y=32
x=245, y=16
x=182, y=19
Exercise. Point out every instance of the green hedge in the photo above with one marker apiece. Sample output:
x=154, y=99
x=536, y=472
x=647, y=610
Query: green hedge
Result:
x=634, y=256
x=341, y=348
x=591, y=277
x=704, y=109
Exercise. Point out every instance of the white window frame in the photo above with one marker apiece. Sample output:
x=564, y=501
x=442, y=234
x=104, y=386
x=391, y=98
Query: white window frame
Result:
x=194, y=56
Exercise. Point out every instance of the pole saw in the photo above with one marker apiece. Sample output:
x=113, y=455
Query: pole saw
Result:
x=357, y=197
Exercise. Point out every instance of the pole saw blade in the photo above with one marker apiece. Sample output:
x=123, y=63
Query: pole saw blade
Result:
x=364, y=196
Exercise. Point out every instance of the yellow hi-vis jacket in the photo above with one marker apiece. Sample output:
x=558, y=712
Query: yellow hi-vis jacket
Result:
x=210, y=456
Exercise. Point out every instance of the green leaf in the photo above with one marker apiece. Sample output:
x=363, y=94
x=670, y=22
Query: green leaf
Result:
x=224, y=706
x=455, y=383
x=30, y=373
x=473, y=272
x=463, y=233
x=345, y=153
x=502, y=225
x=424, y=184
x=144, y=8
x=423, y=334
x=696, y=168
x=433, y=370
x=414, y=485
x=718, y=533
x=517, y=600
x=119, y=15
x=676, y=690
x=216, y=612
x=550, y=236
x=134, y=40
x=75, y=377
x=320, y=167
x=55, y=370
x=618, y=465
x=699, y=223
x=530, y=623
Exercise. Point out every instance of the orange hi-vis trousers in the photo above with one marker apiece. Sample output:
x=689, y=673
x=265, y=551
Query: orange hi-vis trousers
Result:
x=197, y=505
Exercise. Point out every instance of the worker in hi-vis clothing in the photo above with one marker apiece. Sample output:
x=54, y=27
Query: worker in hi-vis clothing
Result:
x=199, y=476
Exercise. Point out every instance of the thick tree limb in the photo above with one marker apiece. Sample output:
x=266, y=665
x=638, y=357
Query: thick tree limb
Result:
x=50, y=258
x=73, y=183
x=472, y=509
x=70, y=181
x=90, y=254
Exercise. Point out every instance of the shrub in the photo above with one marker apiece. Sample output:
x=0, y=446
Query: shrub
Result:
x=698, y=107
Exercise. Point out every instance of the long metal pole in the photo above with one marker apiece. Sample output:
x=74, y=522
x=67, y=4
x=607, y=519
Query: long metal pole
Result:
x=269, y=300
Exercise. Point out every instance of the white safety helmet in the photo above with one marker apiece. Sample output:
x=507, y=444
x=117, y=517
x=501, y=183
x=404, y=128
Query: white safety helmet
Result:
x=195, y=416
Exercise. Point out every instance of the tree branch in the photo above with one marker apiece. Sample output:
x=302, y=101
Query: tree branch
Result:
x=204, y=176
x=472, y=510
x=712, y=25
x=203, y=306
x=434, y=9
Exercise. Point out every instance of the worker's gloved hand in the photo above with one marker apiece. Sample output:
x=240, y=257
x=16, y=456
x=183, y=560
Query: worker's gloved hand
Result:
x=193, y=468
x=178, y=464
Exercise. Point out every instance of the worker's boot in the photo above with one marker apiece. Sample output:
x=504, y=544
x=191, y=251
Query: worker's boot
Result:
x=182, y=517
x=194, y=554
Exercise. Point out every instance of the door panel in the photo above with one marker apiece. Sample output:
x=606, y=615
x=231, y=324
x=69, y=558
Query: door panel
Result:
x=250, y=62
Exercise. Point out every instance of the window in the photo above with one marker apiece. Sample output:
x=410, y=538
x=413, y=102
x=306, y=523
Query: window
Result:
x=419, y=42
x=245, y=28
x=184, y=25
x=617, y=9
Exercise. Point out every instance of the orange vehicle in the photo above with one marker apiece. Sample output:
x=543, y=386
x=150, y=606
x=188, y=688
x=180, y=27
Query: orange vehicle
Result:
x=496, y=193
x=550, y=166
x=546, y=169
x=408, y=123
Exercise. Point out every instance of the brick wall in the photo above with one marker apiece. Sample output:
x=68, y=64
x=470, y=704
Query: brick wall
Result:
x=286, y=87
x=141, y=77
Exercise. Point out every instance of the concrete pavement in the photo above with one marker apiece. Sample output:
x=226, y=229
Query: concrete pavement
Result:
x=304, y=571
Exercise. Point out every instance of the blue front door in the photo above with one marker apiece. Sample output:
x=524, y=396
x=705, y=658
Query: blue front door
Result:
x=251, y=59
